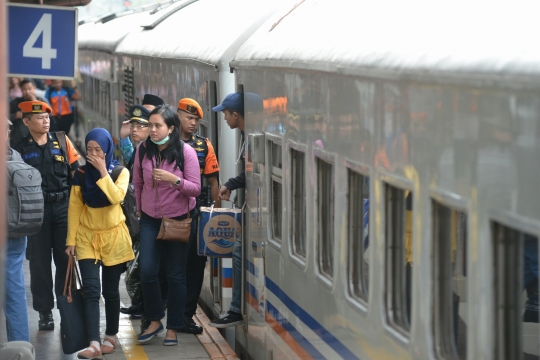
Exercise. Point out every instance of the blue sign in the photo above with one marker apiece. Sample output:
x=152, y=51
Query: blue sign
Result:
x=42, y=41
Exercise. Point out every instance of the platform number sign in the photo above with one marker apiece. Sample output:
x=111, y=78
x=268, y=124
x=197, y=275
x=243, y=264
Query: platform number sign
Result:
x=42, y=41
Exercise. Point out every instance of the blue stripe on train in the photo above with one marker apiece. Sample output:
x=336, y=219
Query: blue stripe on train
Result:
x=301, y=340
x=307, y=319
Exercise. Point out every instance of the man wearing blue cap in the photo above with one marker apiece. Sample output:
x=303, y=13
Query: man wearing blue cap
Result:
x=233, y=109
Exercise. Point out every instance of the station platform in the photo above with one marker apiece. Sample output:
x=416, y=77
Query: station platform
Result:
x=208, y=345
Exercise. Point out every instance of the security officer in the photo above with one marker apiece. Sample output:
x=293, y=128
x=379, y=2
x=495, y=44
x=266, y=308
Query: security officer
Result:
x=190, y=113
x=55, y=158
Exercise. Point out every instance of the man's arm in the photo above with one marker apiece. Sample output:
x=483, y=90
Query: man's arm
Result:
x=233, y=184
x=214, y=190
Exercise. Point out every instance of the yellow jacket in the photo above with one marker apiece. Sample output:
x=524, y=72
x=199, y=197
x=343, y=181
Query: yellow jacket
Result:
x=100, y=233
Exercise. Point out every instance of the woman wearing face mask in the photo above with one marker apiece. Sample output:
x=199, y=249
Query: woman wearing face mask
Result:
x=98, y=236
x=163, y=189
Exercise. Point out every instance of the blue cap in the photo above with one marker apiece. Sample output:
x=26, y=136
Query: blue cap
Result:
x=232, y=101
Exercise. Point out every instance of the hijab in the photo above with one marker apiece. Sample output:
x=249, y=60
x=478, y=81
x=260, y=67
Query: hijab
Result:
x=93, y=196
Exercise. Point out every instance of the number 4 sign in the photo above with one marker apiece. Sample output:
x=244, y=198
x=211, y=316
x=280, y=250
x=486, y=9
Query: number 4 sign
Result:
x=42, y=41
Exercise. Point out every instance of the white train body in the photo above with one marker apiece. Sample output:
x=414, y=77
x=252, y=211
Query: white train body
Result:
x=393, y=165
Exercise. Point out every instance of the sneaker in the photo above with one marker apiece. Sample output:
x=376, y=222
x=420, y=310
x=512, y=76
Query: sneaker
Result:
x=231, y=319
x=46, y=321
x=191, y=327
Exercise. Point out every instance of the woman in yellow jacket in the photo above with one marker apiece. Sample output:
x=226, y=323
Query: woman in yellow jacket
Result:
x=98, y=235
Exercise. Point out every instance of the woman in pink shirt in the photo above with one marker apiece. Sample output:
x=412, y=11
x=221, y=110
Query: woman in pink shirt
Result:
x=162, y=188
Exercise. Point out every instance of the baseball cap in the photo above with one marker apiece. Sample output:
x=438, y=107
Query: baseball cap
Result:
x=190, y=106
x=139, y=114
x=232, y=101
x=36, y=107
x=150, y=99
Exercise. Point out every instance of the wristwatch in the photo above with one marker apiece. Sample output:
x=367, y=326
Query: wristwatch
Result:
x=178, y=182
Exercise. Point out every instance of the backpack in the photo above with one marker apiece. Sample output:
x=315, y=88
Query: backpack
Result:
x=25, y=197
x=129, y=207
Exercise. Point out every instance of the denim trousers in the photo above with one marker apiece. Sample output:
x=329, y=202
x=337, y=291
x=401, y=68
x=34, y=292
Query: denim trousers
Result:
x=174, y=254
x=15, y=304
x=110, y=279
x=236, y=303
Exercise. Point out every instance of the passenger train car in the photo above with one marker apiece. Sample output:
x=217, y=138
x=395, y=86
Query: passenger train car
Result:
x=392, y=158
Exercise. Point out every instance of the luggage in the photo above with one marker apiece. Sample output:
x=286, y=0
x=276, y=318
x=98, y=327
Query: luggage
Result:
x=71, y=307
x=218, y=230
x=25, y=198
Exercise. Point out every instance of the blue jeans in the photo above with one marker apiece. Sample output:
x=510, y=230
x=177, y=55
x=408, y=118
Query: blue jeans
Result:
x=15, y=305
x=110, y=279
x=236, y=303
x=174, y=254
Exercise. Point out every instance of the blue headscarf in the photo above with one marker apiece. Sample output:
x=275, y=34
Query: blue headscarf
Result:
x=92, y=194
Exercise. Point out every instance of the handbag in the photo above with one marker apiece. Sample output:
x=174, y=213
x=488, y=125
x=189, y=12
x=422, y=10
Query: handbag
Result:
x=71, y=307
x=173, y=230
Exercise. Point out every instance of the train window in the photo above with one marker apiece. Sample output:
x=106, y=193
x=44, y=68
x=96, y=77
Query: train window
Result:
x=450, y=282
x=398, y=252
x=325, y=217
x=298, y=203
x=516, y=293
x=358, y=197
x=275, y=189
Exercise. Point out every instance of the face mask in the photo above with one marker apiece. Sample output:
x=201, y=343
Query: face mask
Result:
x=161, y=142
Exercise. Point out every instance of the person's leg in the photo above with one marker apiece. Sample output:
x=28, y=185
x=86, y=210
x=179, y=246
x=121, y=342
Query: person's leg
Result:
x=41, y=283
x=175, y=258
x=234, y=316
x=68, y=122
x=15, y=304
x=59, y=235
x=194, y=280
x=149, y=262
x=92, y=290
x=110, y=276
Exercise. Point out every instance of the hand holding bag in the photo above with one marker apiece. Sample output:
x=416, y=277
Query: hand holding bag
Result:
x=71, y=306
x=173, y=230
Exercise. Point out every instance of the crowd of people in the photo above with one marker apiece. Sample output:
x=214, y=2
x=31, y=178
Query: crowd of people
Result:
x=167, y=168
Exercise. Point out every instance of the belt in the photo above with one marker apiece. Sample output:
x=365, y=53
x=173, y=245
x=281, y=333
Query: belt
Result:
x=55, y=197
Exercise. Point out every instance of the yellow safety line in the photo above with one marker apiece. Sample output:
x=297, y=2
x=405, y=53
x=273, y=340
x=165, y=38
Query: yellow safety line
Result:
x=128, y=340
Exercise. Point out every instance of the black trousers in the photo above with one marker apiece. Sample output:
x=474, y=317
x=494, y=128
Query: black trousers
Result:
x=62, y=123
x=49, y=243
x=194, y=272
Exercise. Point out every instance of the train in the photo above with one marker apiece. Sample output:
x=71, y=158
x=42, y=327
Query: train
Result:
x=392, y=162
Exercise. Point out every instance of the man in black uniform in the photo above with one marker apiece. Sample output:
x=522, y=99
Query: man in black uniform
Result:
x=55, y=157
x=190, y=113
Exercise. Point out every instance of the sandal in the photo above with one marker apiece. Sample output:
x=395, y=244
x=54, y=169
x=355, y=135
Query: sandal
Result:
x=108, y=346
x=90, y=352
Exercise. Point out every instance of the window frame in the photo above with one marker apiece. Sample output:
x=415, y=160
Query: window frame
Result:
x=359, y=302
x=324, y=278
x=296, y=258
x=403, y=184
x=461, y=205
x=270, y=178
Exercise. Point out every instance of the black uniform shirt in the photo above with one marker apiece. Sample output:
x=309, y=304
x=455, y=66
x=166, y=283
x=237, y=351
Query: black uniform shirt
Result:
x=51, y=160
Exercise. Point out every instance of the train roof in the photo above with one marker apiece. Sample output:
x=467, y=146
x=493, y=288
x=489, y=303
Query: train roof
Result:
x=202, y=31
x=105, y=36
x=395, y=36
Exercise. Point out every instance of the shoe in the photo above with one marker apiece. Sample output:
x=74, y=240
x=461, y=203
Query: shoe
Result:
x=231, y=319
x=191, y=327
x=133, y=309
x=46, y=321
x=135, y=317
x=90, y=353
x=168, y=342
x=144, y=338
x=107, y=349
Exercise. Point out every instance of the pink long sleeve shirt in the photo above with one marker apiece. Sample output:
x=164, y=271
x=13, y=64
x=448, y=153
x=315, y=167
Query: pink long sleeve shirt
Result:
x=175, y=200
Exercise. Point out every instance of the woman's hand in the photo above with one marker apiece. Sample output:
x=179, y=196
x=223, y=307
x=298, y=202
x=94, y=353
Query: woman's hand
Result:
x=99, y=164
x=163, y=175
x=70, y=250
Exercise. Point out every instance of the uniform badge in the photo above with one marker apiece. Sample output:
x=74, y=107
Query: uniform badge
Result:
x=199, y=142
x=137, y=112
x=199, y=149
x=59, y=158
x=37, y=108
